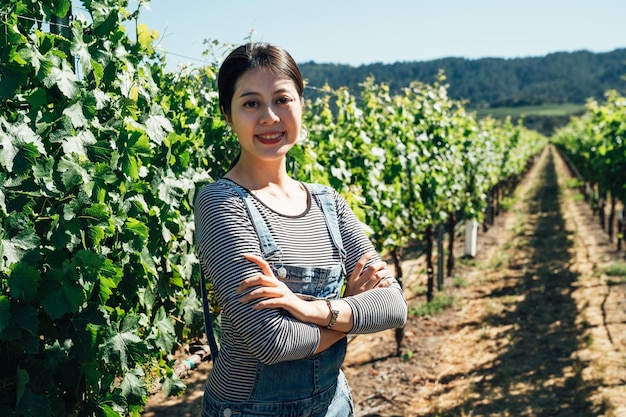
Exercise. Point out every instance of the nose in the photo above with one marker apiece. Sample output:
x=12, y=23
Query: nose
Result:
x=269, y=116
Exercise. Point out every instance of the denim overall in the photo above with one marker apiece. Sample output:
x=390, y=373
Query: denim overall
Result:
x=313, y=386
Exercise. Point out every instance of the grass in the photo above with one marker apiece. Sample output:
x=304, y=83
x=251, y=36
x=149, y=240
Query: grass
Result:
x=439, y=303
x=616, y=269
x=573, y=183
x=616, y=272
x=460, y=282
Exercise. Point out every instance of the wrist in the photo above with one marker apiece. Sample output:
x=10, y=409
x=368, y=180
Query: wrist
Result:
x=333, y=313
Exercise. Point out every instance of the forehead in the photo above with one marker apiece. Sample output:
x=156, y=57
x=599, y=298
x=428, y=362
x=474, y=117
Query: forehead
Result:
x=262, y=80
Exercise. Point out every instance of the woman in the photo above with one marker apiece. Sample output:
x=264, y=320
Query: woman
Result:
x=277, y=251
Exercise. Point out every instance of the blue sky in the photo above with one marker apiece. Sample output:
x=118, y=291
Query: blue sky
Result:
x=368, y=31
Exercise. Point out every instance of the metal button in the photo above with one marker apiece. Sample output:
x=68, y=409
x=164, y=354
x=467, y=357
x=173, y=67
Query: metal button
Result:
x=282, y=272
x=228, y=412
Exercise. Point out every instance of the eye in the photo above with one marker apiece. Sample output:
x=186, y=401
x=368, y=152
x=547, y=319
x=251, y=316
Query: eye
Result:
x=251, y=104
x=284, y=100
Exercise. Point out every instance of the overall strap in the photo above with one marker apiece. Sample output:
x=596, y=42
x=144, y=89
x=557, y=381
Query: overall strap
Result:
x=268, y=246
x=323, y=195
x=208, y=325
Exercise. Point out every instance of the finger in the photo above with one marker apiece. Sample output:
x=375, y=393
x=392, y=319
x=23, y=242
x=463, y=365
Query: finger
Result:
x=262, y=292
x=262, y=263
x=374, y=273
x=360, y=265
x=385, y=282
x=256, y=281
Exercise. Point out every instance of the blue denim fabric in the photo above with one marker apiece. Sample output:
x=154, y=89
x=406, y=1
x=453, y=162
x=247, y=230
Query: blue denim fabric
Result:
x=313, y=386
x=316, y=406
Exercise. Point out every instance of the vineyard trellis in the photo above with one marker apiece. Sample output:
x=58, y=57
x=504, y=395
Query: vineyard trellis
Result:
x=98, y=173
x=595, y=147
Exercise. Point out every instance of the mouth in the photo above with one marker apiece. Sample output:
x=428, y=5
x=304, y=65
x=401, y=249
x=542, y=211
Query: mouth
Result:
x=270, y=138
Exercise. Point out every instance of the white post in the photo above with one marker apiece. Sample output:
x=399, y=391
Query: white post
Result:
x=471, y=235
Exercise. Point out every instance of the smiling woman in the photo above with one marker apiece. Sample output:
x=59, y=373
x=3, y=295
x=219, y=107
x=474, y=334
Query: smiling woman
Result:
x=285, y=315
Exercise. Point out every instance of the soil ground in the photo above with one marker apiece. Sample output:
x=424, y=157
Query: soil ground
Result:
x=537, y=326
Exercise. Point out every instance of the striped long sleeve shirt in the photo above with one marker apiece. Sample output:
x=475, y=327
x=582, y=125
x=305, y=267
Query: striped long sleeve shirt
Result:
x=224, y=233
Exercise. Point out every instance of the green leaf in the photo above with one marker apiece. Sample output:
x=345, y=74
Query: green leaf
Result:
x=24, y=282
x=22, y=380
x=43, y=171
x=33, y=405
x=133, y=386
x=165, y=332
x=64, y=297
x=123, y=344
x=13, y=138
x=75, y=114
x=23, y=326
x=72, y=173
x=145, y=36
x=62, y=8
x=62, y=76
x=5, y=312
x=137, y=227
x=98, y=71
x=108, y=411
x=157, y=128
x=98, y=211
x=87, y=323
x=130, y=167
x=12, y=250
x=173, y=386
x=79, y=143
x=191, y=307
x=80, y=50
x=3, y=205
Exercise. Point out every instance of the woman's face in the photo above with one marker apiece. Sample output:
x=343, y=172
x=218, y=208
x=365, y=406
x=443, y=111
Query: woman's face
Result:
x=266, y=114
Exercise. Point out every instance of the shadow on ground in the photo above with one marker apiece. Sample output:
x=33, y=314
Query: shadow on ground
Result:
x=536, y=373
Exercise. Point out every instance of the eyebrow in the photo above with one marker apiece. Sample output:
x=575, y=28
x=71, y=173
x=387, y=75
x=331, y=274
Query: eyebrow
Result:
x=256, y=93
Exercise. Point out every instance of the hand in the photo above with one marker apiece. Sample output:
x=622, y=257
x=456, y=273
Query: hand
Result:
x=375, y=276
x=273, y=292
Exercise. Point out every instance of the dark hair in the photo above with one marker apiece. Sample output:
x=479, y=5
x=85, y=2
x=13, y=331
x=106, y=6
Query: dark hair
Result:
x=252, y=56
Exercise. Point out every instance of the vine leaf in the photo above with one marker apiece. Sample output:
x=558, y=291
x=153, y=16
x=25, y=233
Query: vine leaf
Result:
x=123, y=344
x=24, y=282
x=133, y=385
x=63, y=296
x=78, y=144
x=5, y=312
x=62, y=76
x=173, y=386
x=165, y=337
x=12, y=250
x=13, y=138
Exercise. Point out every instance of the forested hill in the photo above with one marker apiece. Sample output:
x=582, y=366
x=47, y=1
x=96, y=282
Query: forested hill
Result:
x=564, y=77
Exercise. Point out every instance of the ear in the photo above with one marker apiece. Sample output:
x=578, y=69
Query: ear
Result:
x=229, y=120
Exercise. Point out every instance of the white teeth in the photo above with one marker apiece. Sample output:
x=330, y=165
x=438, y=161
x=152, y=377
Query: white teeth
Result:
x=270, y=137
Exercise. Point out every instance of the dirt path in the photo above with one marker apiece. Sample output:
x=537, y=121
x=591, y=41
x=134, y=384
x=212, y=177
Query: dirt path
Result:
x=537, y=329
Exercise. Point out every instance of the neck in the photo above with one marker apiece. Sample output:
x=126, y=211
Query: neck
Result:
x=256, y=175
x=271, y=184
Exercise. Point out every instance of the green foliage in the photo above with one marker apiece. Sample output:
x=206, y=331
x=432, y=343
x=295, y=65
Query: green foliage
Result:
x=96, y=200
x=407, y=162
x=595, y=144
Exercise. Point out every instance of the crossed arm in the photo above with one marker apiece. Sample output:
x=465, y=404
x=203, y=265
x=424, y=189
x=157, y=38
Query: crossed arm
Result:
x=272, y=293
